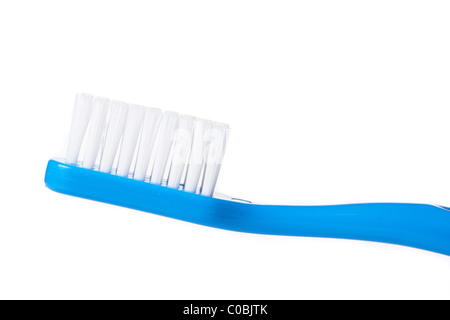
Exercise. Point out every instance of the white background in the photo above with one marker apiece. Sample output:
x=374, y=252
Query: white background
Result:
x=329, y=102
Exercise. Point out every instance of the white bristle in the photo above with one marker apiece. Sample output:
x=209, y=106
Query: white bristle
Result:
x=197, y=155
x=80, y=119
x=132, y=141
x=130, y=138
x=114, y=132
x=218, y=137
x=100, y=108
x=148, y=137
x=181, y=148
x=166, y=132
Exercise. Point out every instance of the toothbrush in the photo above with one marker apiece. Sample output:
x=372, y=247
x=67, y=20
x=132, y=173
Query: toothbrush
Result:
x=168, y=164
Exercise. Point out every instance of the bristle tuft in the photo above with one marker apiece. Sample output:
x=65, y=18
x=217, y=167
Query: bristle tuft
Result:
x=146, y=144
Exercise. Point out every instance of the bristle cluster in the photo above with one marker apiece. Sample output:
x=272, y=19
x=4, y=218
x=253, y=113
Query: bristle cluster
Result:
x=146, y=144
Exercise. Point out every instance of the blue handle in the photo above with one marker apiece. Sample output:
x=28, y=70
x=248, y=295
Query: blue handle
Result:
x=415, y=225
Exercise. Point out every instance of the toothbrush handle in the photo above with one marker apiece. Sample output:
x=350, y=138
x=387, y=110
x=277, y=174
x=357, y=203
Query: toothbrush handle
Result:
x=416, y=225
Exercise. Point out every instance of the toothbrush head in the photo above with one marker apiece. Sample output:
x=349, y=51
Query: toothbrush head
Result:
x=146, y=144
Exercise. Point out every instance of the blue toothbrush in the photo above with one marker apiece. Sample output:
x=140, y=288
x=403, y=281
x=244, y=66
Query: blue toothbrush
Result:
x=168, y=164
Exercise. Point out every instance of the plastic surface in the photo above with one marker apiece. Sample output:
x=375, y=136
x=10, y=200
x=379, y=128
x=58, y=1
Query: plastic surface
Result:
x=415, y=225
